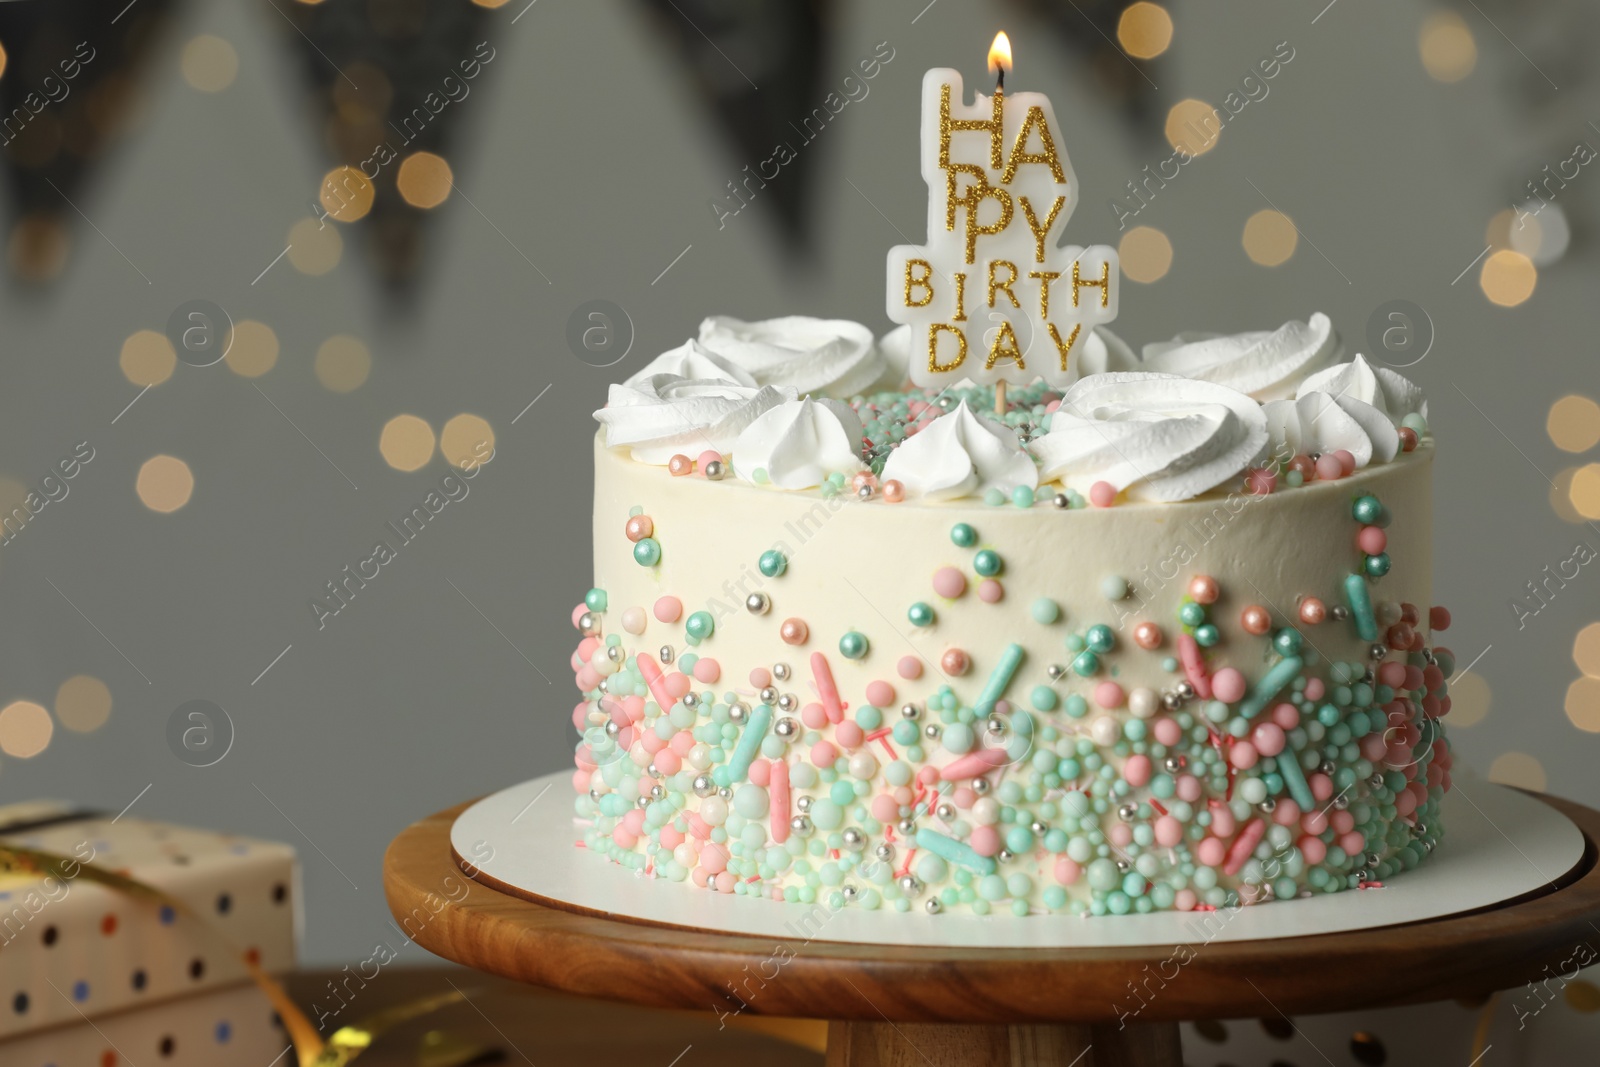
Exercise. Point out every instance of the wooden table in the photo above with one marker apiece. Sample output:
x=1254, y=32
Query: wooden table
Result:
x=894, y=1006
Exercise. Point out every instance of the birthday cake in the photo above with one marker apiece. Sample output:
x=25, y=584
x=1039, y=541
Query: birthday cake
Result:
x=1010, y=617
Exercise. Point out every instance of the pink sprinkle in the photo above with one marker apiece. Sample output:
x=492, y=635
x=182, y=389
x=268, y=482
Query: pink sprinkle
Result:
x=985, y=840
x=849, y=735
x=1102, y=494
x=826, y=688
x=964, y=797
x=707, y=671
x=670, y=836
x=1228, y=685
x=708, y=456
x=990, y=591
x=1260, y=481
x=578, y=613
x=1211, y=852
x=909, y=667
x=1136, y=770
x=579, y=714
x=1185, y=900
x=1245, y=844
x=1188, y=788
x=1243, y=755
x=587, y=646
x=1066, y=871
x=1167, y=731
x=1109, y=695
x=1312, y=849
x=823, y=754
x=884, y=809
x=813, y=716
x=973, y=764
x=668, y=609
x=1286, y=715
x=669, y=762
x=1222, y=823
x=652, y=679
x=1169, y=831
x=1392, y=674
x=1315, y=689
x=1329, y=468
x=1353, y=842
x=949, y=582
x=760, y=772
x=1347, y=460
x=1371, y=540
x=1321, y=786
x=1268, y=738
x=1052, y=407
x=760, y=678
x=880, y=694
x=778, y=797
x=1286, y=813
x=677, y=685
x=1194, y=668
x=633, y=621
x=713, y=859
x=1120, y=835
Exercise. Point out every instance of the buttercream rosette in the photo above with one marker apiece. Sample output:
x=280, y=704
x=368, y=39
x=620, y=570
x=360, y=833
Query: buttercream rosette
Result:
x=832, y=358
x=798, y=443
x=1266, y=364
x=960, y=454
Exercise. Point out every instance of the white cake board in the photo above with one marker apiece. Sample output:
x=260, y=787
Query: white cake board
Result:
x=1500, y=844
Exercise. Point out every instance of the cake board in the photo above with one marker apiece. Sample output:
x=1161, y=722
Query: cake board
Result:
x=934, y=1003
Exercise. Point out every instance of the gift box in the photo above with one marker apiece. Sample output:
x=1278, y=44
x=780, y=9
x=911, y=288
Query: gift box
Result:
x=221, y=1026
x=72, y=949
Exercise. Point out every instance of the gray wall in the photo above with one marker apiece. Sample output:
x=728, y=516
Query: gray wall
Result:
x=597, y=167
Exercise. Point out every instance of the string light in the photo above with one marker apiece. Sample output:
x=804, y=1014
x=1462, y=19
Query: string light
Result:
x=1193, y=126
x=1508, y=278
x=254, y=350
x=466, y=440
x=424, y=180
x=1574, y=423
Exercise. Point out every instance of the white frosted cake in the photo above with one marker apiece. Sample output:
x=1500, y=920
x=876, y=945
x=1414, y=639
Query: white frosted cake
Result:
x=1163, y=640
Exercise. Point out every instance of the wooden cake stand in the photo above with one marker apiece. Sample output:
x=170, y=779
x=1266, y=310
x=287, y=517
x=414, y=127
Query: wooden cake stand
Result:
x=925, y=1006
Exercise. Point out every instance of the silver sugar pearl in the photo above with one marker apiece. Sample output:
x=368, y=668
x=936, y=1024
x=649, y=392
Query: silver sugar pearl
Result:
x=788, y=702
x=1429, y=844
x=691, y=700
x=657, y=792
x=715, y=470
x=1174, y=764
x=1362, y=874
x=613, y=728
x=910, y=711
x=1128, y=812
x=1268, y=806
x=1005, y=855
x=768, y=694
x=1378, y=651
x=725, y=793
x=786, y=728
x=1341, y=802
x=738, y=712
x=1372, y=859
x=980, y=786
x=758, y=603
x=1038, y=829
x=865, y=492
x=884, y=852
x=1062, y=501
x=594, y=795
x=1420, y=829
x=1185, y=691
x=665, y=653
x=801, y=825
x=854, y=840
x=589, y=624
x=1124, y=866
x=780, y=671
x=652, y=771
x=604, y=686
x=1055, y=670
x=945, y=811
x=906, y=827
x=1339, y=612
x=803, y=803
x=615, y=654
x=1171, y=701
x=1328, y=767
x=1376, y=780
x=996, y=725
x=849, y=893
x=909, y=885
x=932, y=731
x=642, y=802
x=932, y=906
x=703, y=785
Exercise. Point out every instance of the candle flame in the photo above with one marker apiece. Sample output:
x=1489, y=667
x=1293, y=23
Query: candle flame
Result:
x=1000, y=54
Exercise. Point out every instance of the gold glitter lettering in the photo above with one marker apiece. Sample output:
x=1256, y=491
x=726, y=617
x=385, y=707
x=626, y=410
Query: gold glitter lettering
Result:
x=1005, y=347
x=925, y=283
x=993, y=126
x=961, y=296
x=1019, y=156
x=1044, y=277
x=934, y=366
x=1040, y=230
x=1104, y=284
x=979, y=191
x=997, y=286
x=1064, y=348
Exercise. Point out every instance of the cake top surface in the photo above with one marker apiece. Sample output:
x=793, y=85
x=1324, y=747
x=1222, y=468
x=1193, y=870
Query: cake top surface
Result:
x=821, y=405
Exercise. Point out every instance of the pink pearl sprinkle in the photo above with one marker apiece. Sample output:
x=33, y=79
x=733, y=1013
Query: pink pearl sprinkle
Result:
x=949, y=582
x=990, y=591
x=1136, y=770
x=823, y=754
x=985, y=841
x=1169, y=831
x=1260, y=482
x=677, y=685
x=1210, y=852
x=1242, y=754
x=1102, y=494
x=909, y=667
x=760, y=677
x=760, y=772
x=848, y=734
x=669, y=762
x=1372, y=540
x=707, y=671
x=1329, y=468
x=1268, y=738
x=713, y=858
x=1167, y=731
x=1109, y=695
x=1315, y=689
x=1120, y=835
x=814, y=716
x=708, y=456
x=884, y=809
x=1185, y=900
x=668, y=609
x=1286, y=715
x=1392, y=674
x=1347, y=460
x=880, y=694
x=578, y=613
x=1313, y=849
x=633, y=620
x=1228, y=685
x=1066, y=871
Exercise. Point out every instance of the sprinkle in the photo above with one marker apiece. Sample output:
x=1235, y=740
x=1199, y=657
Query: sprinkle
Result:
x=826, y=688
x=749, y=743
x=652, y=678
x=974, y=764
x=999, y=678
x=949, y=848
x=1294, y=777
x=1245, y=844
x=1360, y=602
x=1194, y=668
x=1268, y=687
x=778, y=792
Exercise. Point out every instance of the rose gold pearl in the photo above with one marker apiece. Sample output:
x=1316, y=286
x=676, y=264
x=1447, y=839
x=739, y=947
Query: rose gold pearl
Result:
x=1255, y=620
x=1312, y=611
x=1147, y=635
x=1304, y=464
x=639, y=527
x=1408, y=439
x=893, y=491
x=1204, y=589
x=954, y=662
x=680, y=465
x=1400, y=635
x=862, y=478
x=1409, y=613
x=794, y=632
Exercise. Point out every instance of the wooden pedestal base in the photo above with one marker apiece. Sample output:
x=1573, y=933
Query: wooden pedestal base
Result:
x=884, y=1044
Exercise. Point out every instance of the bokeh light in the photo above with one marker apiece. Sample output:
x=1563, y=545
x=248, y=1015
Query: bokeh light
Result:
x=1447, y=47
x=1583, y=704
x=25, y=729
x=37, y=248
x=1540, y=231
x=254, y=350
x=147, y=358
x=1146, y=254
x=406, y=442
x=209, y=63
x=1574, y=423
x=314, y=247
x=346, y=193
x=1561, y=496
x=83, y=703
x=1470, y=699
x=1508, y=278
x=343, y=363
x=466, y=440
x=1144, y=30
x=424, y=180
x=165, y=483
x=1586, y=650
x=1518, y=769
x=1585, y=491
x=1193, y=126
x=1269, y=237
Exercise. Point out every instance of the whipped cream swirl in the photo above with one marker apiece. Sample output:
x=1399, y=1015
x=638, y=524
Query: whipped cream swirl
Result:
x=960, y=454
x=1391, y=393
x=692, y=360
x=664, y=415
x=799, y=443
x=1157, y=436
x=820, y=357
x=1267, y=364
x=1320, y=422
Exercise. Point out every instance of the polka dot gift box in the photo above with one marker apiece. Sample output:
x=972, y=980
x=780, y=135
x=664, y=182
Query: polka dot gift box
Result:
x=71, y=948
